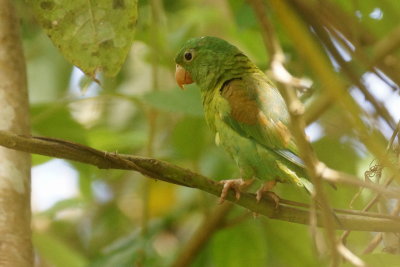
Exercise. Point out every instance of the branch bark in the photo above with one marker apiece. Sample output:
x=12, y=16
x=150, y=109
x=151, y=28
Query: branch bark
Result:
x=15, y=232
x=170, y=173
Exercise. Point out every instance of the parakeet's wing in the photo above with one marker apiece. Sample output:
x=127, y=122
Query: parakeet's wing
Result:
x=256, y=110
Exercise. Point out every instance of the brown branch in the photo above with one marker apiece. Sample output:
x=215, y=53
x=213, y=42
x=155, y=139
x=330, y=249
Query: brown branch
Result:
x=373, y=243
x=170, y=173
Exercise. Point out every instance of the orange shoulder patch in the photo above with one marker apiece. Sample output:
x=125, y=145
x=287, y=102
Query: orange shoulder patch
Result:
x=243, y=108
x=283, y=132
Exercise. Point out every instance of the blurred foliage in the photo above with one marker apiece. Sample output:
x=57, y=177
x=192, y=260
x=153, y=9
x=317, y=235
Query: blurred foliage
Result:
x=120, y=218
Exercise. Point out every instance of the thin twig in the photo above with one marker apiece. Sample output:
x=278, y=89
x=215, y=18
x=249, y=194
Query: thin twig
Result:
x=348, y=255
x=373, y=243
x=393, y=137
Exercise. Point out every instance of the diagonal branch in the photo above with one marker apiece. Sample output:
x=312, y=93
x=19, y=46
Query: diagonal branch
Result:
x=170, y=173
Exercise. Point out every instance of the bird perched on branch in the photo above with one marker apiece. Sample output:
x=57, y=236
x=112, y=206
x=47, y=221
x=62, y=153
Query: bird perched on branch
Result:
x=246, y=112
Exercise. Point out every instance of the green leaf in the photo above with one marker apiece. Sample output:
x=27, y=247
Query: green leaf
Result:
x=56, y=252
x=186, y=102
x=93, y=35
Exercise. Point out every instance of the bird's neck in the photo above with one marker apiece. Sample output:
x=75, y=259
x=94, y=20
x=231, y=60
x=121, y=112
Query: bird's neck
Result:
x=208, y=78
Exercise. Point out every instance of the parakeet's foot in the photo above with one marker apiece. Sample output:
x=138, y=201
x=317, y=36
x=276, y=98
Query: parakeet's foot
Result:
x=235, y=184
x=266, y=189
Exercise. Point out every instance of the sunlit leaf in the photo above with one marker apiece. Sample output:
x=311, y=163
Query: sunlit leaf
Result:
x=93, y=35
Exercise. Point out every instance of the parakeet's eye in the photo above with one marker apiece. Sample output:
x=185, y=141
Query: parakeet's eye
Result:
x=188, y=56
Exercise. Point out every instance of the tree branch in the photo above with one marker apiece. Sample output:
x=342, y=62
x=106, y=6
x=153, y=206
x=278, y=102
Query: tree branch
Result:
x=170, y=173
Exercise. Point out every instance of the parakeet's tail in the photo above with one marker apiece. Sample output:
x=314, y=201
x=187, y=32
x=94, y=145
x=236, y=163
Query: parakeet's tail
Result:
x=296, y=179
x=308, y=186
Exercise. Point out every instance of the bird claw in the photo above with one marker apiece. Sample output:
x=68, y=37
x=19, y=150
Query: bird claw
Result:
x=236, y=184
x=271, y=195
x=266, y=189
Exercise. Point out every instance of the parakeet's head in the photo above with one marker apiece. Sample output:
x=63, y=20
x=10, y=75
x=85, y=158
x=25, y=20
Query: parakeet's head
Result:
x=205, y=60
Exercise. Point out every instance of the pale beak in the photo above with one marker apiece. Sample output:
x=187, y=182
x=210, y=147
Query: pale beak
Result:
x=182, y=77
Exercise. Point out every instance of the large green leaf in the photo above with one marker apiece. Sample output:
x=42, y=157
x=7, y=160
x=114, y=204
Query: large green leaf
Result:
x=93, y=35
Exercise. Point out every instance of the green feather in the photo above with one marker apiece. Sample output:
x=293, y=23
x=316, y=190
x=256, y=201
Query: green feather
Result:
x=245, y=110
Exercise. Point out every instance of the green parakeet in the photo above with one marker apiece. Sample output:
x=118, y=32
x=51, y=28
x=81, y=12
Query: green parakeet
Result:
x=246, y=112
